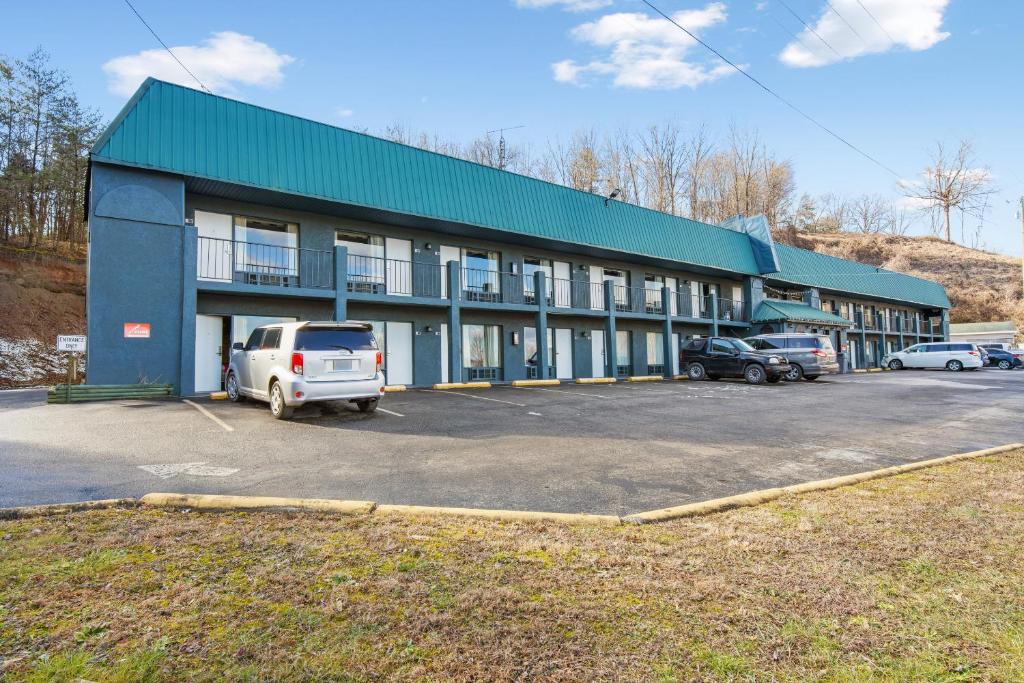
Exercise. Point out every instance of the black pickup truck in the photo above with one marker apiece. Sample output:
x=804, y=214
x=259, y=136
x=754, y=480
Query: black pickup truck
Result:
x=714, y=357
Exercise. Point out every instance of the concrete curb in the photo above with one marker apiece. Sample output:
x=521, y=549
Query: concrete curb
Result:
x=219, y=396
x=680, y=378
x=63, y=508
x=874, y=369
x=765, y=495
x=536, y=382
x=462, y=385
x=646, y=378
x=394, y=388
x=596, y=380
x=501, y=515
x=858, y=370
x=210, y=502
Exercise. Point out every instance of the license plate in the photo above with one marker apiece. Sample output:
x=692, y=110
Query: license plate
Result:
x=343, y=365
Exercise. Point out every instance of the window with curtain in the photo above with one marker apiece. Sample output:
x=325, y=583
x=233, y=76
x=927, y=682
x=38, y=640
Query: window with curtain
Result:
x=481, y=346
x=266, y=247
x=365, y=255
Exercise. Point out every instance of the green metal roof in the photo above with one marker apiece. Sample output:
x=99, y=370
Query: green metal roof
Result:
x=969, y=328
x=773, y=310
x=179, y=130
x=803, y=267
x=176, y=129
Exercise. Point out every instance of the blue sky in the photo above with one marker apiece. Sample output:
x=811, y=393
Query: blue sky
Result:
x=934, y=70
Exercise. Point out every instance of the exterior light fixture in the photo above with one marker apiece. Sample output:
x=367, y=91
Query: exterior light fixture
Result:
x=428, y=329
x=615, y=193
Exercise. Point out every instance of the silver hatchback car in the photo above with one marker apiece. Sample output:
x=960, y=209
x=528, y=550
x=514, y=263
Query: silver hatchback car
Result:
x=291, y=364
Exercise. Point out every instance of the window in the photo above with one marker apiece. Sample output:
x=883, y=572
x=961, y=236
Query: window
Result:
x=622, y=353
x=254, y=340
x=652, y=292
x=365, y=259
x=694, y=345
x=271, y=339
x=481, y=346
x=268, y=248
x=334, y=339
x=530, y=350
x=480, y=259
x=531, y=266
x=770, y=343
x=242, y=325
x=961, y=347
x=620, y=282
x=655, y=353
x=722, y=346
x=480, y=276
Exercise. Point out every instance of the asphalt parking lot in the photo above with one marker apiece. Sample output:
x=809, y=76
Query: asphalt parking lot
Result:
x=596, y=448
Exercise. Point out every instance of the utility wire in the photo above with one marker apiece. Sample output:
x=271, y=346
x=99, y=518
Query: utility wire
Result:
x=180, y=63
x=808, y=27
x=790, y=33
x=868, y=12
x=774, y=94
x=836, y=12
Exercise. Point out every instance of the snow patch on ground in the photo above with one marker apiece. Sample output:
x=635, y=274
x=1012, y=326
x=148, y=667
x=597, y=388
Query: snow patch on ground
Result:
x=30, y=362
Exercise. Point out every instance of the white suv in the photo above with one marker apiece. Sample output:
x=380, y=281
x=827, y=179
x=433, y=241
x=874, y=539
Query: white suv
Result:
x=290, y=364
x=951, y=356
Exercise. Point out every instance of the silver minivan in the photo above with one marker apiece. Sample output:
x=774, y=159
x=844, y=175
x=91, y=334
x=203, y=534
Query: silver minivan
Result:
x=291, y=364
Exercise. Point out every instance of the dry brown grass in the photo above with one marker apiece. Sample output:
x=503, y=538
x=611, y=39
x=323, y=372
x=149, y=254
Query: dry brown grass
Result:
x=917, y=577
x=982, y=286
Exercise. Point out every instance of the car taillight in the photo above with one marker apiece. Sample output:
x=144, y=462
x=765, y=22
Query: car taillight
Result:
x=972, y=353
x=380, y=361
x=820, y=353
x=297, y=363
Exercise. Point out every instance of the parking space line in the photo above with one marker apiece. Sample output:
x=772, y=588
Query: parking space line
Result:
x=562, y=391
x=481, y=398
x=207, y=413
x=390, y=412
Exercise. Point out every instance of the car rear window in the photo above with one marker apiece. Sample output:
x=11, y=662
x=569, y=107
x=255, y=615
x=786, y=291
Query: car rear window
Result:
x=332, y=338
x=961, y=347
x=768, y=343
x=694, y=345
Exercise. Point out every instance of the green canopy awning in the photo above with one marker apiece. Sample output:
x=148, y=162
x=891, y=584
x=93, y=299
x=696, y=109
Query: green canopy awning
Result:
x=771, y=311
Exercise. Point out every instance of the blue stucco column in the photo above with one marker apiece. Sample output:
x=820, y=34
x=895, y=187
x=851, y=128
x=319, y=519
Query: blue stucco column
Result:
x=944, y=325
x=883, y=322
x=454, y=322
x=189, y=265
x=340, y=283
x=611, y=350
x=862, y=351
x=540, y=287
x=899, y=333
x=666, y=306
x=753, y=294
x=714, y=315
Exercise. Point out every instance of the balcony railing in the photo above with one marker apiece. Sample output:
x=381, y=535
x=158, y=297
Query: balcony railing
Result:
x=732, y=309
x=695, y=306
x=251, y=263
x=374, y=275
x=491, y=286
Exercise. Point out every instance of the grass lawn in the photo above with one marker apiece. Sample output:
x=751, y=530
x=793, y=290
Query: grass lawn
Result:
x=917, y=577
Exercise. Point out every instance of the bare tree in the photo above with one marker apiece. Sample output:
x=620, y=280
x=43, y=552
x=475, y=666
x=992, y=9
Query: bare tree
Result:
x=870, y=214
x=952, y=180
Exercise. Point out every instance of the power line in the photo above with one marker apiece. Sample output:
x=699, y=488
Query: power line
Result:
x=789, y=33
x=180, y=63
x=774, y=94
x=868, y=12
x=836, y=12
x=808, y=27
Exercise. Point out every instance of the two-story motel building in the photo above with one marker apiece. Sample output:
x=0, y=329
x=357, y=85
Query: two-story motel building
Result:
x=209, y=216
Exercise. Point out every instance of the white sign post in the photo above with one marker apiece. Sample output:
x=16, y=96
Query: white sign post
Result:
x=72, y=344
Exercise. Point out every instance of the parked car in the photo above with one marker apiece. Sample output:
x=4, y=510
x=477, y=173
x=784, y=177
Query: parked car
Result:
x=715, y=357
x=291, y=364
x=953, y=356
x=1001, y=358
x=809, y=355
x=984, y=356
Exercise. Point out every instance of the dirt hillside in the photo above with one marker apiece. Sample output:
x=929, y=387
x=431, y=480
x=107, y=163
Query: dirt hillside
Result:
x=982, y=286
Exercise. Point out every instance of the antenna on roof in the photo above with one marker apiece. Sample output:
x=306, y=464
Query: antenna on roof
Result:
x=501, y=143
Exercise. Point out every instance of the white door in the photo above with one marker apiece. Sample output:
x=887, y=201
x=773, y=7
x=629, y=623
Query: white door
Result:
x=675, y=354
x=563, y=292
x=215, y=248
x=598, y=363
x=444, y=351
x=447, y=254
x=597, y=290
x=398, y=363
x=673, y=298
x=563, y=353
x=695, y=302
x=209, y=352
x=398, y=266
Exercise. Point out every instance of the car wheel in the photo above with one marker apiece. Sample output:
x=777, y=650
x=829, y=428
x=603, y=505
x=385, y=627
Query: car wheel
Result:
x=278, y=408
x=1005, y=365
x=895, y=364
x=695, y=371
x=234, y=395
x=755, y=374
x=955, y=366
x=794, y=373
x=811, y=378
x=367, y=406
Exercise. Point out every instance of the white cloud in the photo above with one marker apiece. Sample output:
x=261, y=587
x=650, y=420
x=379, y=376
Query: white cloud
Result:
x=344, y=113
x=567, y=5
x=643, y=51
x=912, y=24
x=220, y=62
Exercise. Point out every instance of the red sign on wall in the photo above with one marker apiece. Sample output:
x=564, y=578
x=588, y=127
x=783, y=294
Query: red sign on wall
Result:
x=136, y=330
